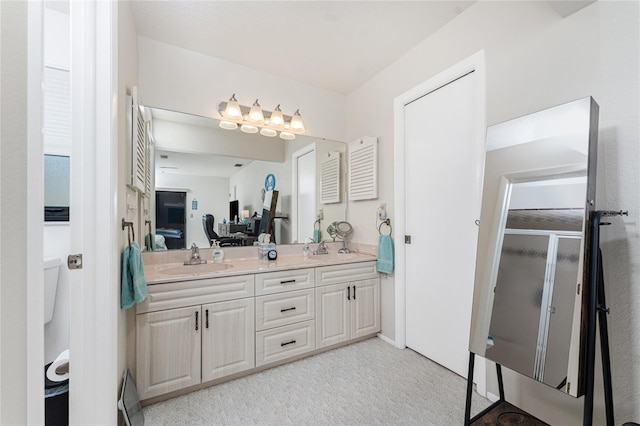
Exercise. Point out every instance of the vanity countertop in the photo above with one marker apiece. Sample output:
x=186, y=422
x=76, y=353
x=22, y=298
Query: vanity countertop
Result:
x=167, y=267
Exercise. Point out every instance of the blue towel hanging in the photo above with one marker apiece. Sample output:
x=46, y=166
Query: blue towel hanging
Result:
x=133, y=284
x=385, y=254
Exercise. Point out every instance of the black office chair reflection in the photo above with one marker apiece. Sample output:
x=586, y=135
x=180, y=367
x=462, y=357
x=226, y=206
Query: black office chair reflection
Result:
x=207, y=223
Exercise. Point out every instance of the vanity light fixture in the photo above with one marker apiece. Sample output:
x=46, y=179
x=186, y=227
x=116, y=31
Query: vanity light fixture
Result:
x=254, y=119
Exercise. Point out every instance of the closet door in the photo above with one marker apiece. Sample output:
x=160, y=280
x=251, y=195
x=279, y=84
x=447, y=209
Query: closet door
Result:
x=442, y=201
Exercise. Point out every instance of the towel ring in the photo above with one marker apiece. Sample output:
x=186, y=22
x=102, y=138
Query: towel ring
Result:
x=385, y=222
x=317, y=222
x=131, y=234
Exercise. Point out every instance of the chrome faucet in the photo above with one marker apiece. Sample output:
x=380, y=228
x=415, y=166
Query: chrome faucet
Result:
x=195, y=256
x=322, y=248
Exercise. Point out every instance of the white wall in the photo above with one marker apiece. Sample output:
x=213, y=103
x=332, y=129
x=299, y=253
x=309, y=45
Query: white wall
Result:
x=13, y=227
x=182, y=80
x=212, y=194
x=534, y=60
x=127, y=68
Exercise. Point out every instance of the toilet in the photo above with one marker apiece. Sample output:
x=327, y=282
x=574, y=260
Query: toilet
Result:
x=51, y=270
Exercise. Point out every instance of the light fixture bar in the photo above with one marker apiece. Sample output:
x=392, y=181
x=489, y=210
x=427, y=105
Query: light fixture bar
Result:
x=245, y=110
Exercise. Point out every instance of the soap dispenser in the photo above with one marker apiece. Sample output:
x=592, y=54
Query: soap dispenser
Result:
x=218, y=253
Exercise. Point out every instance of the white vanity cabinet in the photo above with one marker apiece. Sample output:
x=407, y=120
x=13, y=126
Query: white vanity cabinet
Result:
x=168, y=350
x=285, y=315
x=197, y=331
x=178, y=347
x=347, y=302
x=227, y=338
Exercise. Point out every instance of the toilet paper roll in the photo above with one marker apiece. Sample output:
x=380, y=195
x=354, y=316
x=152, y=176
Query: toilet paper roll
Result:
x=59, y=369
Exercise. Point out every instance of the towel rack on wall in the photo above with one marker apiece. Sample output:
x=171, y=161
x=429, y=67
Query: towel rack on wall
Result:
x=131, y=233
x=385, y=222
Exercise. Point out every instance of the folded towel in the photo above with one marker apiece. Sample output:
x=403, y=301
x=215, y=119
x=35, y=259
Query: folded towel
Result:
x=133, y=284
x=150, y=242
x=317, y=235
x=385, y=254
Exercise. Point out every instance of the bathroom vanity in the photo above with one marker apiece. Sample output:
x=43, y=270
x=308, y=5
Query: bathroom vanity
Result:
x=204, y=324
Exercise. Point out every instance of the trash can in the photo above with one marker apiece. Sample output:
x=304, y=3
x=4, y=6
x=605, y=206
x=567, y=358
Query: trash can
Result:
x=56, y=401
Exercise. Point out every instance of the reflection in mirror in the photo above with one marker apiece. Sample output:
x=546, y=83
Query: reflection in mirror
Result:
x=217, y=167
x=539, y=190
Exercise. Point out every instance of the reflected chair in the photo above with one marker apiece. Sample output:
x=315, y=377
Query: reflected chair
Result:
x=207, y=223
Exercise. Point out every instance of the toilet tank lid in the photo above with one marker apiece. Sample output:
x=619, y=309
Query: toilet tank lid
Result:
x=51, y=262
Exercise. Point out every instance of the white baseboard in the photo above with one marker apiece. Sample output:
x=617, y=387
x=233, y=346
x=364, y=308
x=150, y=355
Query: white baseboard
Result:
x=386, y=339
x=491, y=397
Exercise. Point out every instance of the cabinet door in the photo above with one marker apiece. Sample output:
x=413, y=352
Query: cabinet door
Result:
x=168, y=350
x=228, y=339
x=365, y=307
x=332, y=315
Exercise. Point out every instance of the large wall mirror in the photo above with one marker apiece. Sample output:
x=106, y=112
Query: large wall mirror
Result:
x=202, y=169
x=538, y=194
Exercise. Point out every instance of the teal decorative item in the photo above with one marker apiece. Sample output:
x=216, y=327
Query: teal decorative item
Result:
x=270, y=182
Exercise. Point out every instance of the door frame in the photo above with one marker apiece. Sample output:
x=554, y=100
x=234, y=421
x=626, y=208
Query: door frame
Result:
x=294, y=186
x=94, y=292
x=475, y=63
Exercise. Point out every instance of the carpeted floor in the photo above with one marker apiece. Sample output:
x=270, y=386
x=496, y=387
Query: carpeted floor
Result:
x=369, y=382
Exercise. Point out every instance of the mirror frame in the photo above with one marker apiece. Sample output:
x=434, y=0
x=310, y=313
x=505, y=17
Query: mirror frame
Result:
x=572, y=122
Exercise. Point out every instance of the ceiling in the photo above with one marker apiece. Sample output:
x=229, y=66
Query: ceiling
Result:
x=335, y=45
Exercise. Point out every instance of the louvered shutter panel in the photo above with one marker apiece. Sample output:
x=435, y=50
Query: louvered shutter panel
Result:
x=138, y=145
x=363, y=169
x=56, y=127
x=330, y=178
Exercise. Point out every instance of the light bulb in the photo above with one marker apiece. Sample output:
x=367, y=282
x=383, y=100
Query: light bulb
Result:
x=232, y=110
x=255, y=114
x=277, y=119
x=265, y=131
x=287, y=136
x=297, y=125
x=247, y=128
x=229, y=125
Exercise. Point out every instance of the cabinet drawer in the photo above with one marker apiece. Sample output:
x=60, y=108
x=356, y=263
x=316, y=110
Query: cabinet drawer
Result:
x=284, y=342
x=196, y=292
x=280, y=309
x=335, y=274
x=277, y=282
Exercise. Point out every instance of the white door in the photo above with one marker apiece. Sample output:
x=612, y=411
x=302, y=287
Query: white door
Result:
x=442, y=163
x=305, y=181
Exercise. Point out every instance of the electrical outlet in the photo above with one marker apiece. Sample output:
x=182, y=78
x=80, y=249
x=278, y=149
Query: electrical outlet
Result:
x=382, y=211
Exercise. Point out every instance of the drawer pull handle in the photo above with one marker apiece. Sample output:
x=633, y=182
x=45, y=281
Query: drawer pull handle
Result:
x=348, y=293
x=288, y=343
x=206, y=318
x=288, y=282
x=196, y=320
x=354, y=292
x=293, y=308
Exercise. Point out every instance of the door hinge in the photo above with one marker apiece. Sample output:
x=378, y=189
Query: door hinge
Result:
x=407, y=239
x=74, y=261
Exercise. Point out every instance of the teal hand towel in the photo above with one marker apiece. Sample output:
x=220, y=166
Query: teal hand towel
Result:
x=385, y=254
x=126, y=286
x=133, y=286
x=136, y=267
x=317, y=234
x=150, y=242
